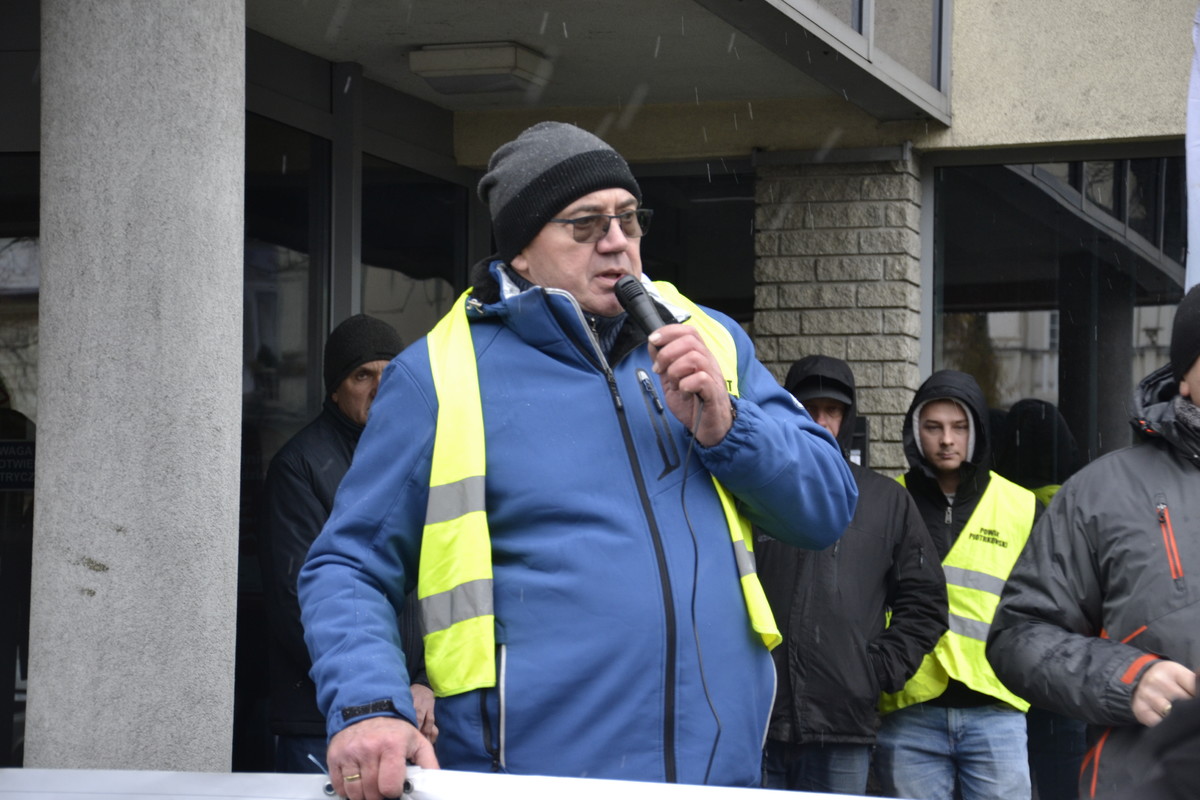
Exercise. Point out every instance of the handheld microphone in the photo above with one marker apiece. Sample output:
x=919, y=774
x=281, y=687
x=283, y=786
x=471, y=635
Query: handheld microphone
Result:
x=633, y=298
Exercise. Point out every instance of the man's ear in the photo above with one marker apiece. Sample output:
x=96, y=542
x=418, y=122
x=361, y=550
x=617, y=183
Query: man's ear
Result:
x=1184, y=389
x=520, y=264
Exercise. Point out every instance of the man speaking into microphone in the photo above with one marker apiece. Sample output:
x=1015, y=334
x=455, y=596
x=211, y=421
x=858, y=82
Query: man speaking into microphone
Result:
x=572, y=501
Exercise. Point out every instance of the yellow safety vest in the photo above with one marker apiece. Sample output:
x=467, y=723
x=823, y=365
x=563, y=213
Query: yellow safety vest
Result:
x=1046, y=493
x=976, y=568
x=454, y=582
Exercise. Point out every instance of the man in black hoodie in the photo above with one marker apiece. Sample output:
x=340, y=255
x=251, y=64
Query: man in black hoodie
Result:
x=954, y=724
x=298, y=496
x=1101, y=618
x=839, y=649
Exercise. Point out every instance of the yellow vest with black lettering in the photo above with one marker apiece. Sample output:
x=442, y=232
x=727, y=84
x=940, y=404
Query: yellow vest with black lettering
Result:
x=976, y=568
x=454, y=583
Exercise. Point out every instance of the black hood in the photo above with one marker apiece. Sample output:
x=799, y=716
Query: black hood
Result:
x=950, y=384
x=1036, y=447
x=826, y=376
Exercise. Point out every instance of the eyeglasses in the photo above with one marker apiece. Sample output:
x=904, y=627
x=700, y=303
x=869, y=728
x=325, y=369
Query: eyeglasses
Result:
x=594, y=227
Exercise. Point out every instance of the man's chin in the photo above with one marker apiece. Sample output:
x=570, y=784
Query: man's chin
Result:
x=606, y=306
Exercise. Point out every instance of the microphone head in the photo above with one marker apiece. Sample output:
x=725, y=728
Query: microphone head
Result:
x=633, y=298
x=628, y=288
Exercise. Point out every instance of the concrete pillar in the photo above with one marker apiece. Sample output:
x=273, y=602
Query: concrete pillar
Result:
x=136, y=510
x=838, y=274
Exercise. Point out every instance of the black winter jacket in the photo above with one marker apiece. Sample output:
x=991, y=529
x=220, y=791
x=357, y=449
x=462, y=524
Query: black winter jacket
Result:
x=1108, y=584
x=298, y=496
x=837, y=655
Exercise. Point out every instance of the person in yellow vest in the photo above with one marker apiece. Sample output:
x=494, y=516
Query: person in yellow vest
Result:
x=955, y=729
x=572, y=500
x=1101, y=620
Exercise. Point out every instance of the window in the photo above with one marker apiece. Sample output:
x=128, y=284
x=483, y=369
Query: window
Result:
x=19, y=281
x=702, y=237
x=1059, y=289
x=413, y=247
x=286, y=246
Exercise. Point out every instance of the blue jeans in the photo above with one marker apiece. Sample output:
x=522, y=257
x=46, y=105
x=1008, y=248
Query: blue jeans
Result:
x=1057, y=745
x=923, y=752
x=835, y=768
x=292, y=753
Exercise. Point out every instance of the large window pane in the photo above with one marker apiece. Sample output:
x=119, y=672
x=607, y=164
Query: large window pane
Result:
x=287, y=186
x=702, y=237
x=412, y=246
x=19, y=279
x=1043, y=292
x=286, y=183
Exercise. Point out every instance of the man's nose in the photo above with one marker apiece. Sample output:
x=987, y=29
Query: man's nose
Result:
x=614, y=239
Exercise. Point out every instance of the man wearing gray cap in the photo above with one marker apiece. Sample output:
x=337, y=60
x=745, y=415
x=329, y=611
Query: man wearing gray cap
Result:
x=572, y=500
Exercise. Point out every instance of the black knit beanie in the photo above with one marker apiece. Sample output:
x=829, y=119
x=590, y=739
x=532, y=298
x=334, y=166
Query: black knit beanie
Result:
x=354, y=342
x=1185, y=333
x=538, y=174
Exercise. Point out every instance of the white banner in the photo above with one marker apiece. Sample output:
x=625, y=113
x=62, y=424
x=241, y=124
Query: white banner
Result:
x=1192, y=157
x=439, y=784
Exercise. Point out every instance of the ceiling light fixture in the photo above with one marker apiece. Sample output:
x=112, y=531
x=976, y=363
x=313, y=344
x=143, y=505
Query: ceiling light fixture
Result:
x=482, y=67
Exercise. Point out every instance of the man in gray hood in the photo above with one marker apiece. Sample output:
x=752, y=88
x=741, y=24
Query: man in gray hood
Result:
x=1098, y=620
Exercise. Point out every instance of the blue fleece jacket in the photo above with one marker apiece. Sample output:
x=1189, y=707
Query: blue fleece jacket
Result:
x=624, y=646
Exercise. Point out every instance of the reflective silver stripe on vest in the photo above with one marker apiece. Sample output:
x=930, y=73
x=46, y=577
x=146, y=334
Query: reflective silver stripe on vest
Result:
x=452, y=500
x=971, y=579
x=465, y=601
x=744, y=558
x=970, y=628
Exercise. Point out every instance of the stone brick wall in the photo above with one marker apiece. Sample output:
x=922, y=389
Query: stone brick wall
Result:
x=838, y=273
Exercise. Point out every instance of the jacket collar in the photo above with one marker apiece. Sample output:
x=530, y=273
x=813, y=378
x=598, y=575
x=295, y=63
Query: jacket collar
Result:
x=1155, y=415
x=551, y=319
x=351, y=429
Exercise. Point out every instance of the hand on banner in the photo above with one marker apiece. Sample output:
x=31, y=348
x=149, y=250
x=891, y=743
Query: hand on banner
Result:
x=369, y=760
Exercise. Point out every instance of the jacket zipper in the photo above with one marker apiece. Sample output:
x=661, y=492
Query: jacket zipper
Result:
x=669, y=771
x=502, y=706
x=662, y=433
x=1168, y=533
x=495, y=748
x=485, y=718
